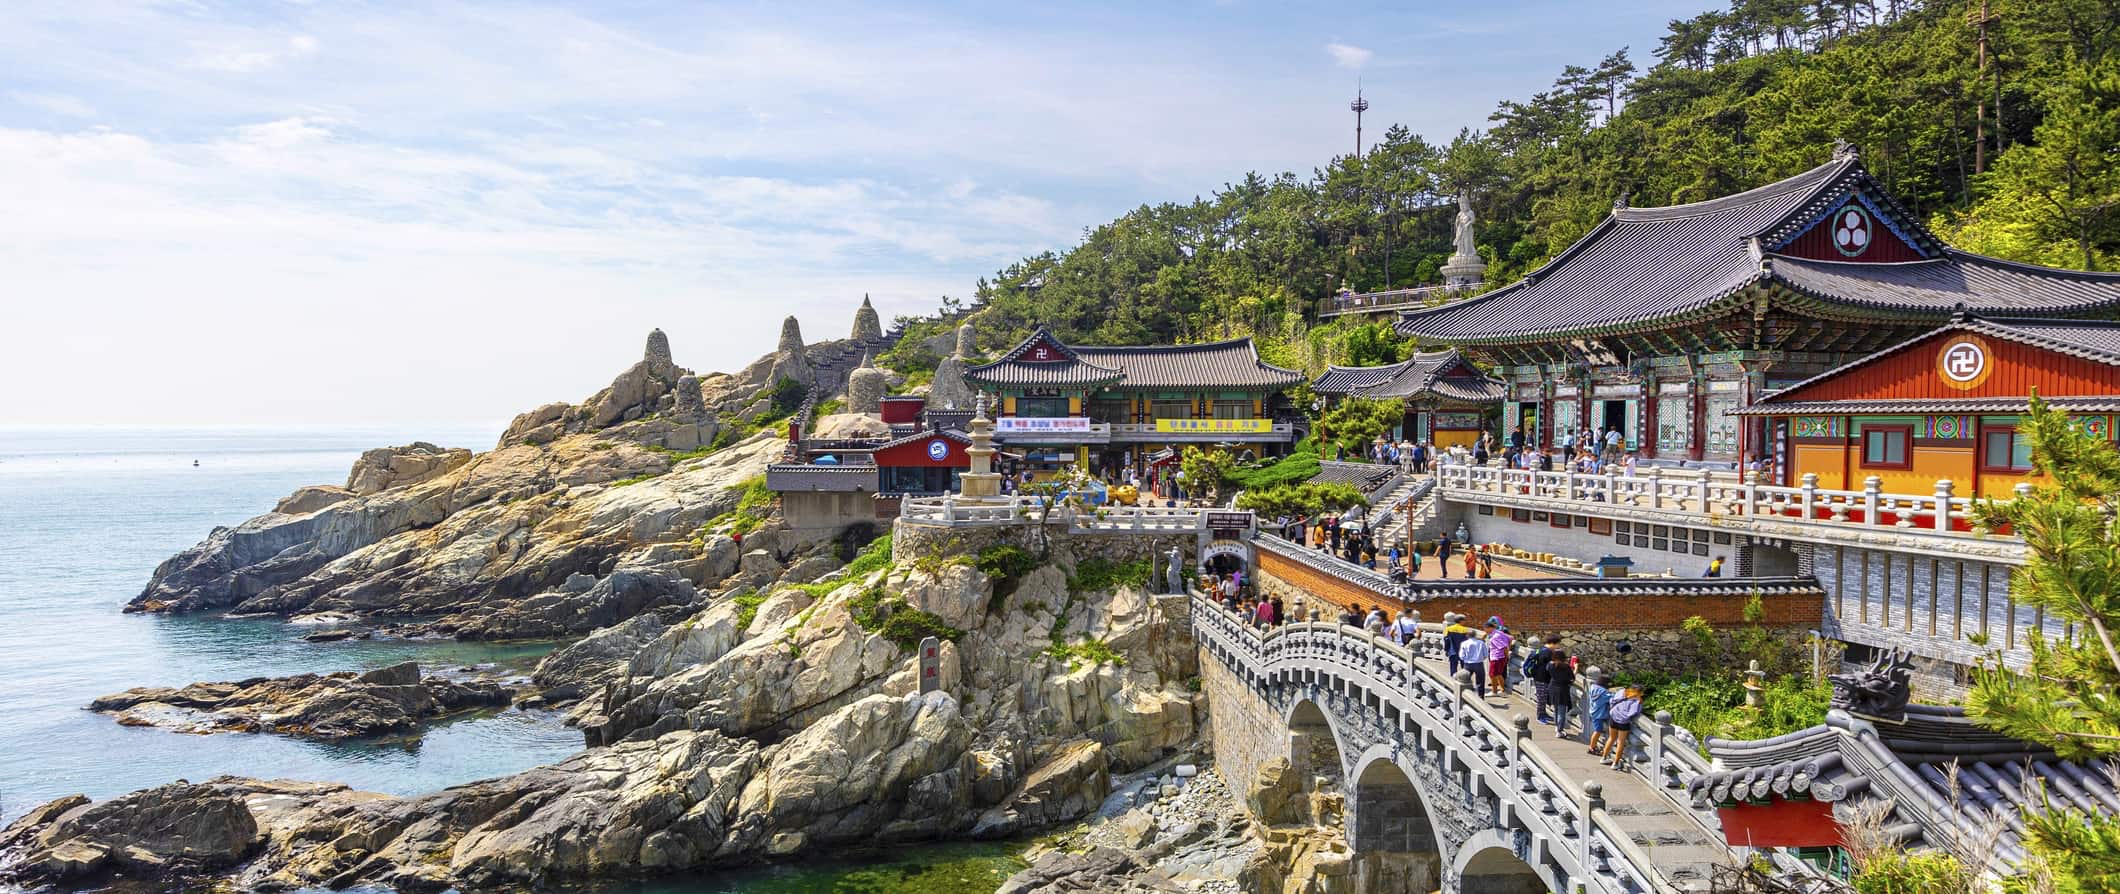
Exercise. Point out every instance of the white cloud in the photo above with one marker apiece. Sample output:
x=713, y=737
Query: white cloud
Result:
x=55, y=103
x=253, y=57
x=1348, y=56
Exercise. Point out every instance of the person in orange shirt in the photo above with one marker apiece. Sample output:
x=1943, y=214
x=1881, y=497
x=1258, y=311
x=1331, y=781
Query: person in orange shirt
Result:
x=1472, y=562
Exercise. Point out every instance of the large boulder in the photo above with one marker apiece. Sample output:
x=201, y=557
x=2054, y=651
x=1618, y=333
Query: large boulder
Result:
x=383, y=468
x=1068, y=785
x=165, y=833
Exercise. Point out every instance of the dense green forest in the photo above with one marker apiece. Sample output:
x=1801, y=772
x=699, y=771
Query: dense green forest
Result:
x=2010, y=149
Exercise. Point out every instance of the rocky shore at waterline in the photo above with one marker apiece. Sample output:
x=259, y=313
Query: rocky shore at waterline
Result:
x=390, y=700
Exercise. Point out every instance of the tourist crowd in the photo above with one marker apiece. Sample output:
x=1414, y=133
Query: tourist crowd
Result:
x=1488, y=657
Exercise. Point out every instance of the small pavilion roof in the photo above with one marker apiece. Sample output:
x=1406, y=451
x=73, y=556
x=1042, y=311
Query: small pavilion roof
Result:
x=1911, y=761
x=1443, y=374
x=1224, y=364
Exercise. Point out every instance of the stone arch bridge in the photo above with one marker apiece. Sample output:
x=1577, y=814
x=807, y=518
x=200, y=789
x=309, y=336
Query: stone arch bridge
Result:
x=1444, y=790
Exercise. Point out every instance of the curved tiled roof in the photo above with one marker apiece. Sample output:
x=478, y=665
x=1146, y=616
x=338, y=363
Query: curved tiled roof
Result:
x=1653, y=267
x=1639, y=265
x=1422, y=373
x=1957, y=279
x=1911, y=763
x=1073, y=371
x=1228, y=364
x=1234, y=363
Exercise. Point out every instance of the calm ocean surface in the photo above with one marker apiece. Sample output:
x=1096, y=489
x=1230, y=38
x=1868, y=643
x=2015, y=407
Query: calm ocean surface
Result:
x=86, y=515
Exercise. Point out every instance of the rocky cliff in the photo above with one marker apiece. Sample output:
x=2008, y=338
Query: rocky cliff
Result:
x=766, y=725
x=511, y=542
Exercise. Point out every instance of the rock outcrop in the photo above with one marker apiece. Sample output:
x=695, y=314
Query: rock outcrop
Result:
x=485, y=547
x=161, y=833
x=767, y=727
x=383, y=468
x=395, y=699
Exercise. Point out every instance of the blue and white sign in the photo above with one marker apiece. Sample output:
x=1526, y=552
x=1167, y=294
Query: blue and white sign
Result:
x=939, y=450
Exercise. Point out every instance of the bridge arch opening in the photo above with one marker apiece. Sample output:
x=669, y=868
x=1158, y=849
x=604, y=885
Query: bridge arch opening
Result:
x=1393, y=838
x=1314, y=759
x=1496, y=870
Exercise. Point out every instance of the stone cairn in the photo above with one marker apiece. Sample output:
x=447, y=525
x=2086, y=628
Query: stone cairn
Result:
x=658, y=352
x=949, y=390
x=795, y=362
x=865, y=388
x=867, y=327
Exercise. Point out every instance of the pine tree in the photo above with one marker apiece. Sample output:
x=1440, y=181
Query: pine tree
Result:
x=2066, y=699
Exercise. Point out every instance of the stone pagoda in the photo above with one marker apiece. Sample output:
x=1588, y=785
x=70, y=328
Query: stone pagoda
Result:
x=982, y=484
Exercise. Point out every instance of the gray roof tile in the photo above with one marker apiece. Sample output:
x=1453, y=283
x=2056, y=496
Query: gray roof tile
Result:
x=1441, y=373
x=1227, y=364
x=1644, y=267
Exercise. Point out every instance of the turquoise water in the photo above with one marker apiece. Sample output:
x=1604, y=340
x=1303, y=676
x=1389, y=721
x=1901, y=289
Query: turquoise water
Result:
x=85, y=516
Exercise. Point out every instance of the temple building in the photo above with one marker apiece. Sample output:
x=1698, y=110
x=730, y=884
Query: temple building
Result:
x=1665, y=323
x=1447, y=399
x=1109, y=409
x=1944, y=405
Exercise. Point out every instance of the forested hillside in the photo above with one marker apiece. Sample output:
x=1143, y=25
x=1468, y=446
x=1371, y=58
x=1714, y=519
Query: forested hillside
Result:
x=2017, y=157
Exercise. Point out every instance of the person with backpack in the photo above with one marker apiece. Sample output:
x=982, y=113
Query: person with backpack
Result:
x=1560, y=682
x=1535, y=670
x=1472, y=656
x=1597, y=707
x=1454, y=633
x=1625, y=711
x=1498, y=644
x=1405, y=630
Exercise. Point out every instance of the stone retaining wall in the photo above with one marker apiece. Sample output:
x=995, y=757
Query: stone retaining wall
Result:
x=1243, y=730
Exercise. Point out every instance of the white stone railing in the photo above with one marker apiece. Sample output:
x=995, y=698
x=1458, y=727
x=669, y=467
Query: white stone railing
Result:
x=1699, y=494
x=1567, y=819
x=1366, y=302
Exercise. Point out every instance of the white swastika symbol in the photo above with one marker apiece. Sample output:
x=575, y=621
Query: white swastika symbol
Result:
x=1964, y=361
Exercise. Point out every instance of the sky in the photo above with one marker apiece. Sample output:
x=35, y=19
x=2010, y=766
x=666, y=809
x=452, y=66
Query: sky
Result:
x=283, y=213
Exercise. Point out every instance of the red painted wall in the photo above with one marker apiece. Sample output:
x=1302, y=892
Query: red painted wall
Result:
x=915, y=453
x=1780, y=824
x=899, y=410
x=2015, y=369
x=1819, y=242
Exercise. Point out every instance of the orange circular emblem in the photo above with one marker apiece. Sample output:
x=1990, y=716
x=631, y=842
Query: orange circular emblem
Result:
x=1964, y=362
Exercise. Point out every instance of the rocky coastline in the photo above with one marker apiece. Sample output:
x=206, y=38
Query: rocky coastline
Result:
x=741, y=698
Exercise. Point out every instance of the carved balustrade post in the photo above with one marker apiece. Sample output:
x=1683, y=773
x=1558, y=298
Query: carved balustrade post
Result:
x=1810, y=493
x=1871, y=487
x=1943, y=504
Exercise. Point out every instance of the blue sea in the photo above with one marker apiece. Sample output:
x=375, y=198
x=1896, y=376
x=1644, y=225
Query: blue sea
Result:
x=87, y=514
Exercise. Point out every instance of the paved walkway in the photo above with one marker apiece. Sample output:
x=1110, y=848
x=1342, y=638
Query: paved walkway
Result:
x=1683, y=849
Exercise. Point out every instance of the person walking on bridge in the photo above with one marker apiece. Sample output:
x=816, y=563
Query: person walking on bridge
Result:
x=1472, y=656
x=1560, y=682
x=1499, y=642
x=1454, y=633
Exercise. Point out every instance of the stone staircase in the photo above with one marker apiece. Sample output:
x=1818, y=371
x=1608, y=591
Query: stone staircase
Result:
x=1418, y=488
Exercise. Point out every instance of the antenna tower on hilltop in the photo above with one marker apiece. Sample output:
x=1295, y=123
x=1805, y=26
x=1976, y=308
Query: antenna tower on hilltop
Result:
x=1359, y=106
